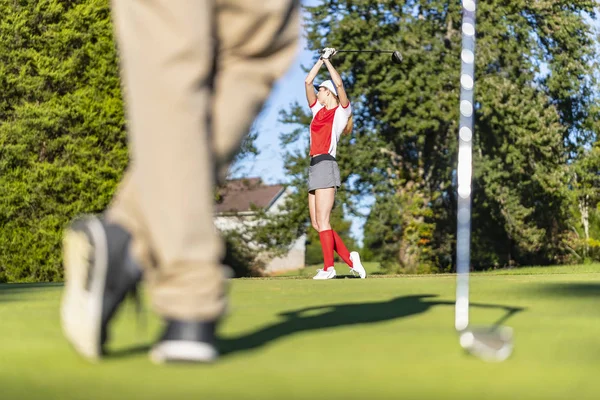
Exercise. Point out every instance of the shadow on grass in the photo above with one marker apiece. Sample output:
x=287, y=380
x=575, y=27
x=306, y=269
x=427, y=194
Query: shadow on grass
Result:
x=10, y=299
x=128, y=351
x=574, y=289
x=330, y=316
x=13, y=291
x=324, y=317
x=25, y=286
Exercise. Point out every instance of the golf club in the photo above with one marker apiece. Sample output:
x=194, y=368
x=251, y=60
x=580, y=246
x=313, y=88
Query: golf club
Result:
x=396, y=55
x=492, y=343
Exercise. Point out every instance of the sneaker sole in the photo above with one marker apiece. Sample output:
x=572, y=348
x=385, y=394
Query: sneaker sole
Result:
x=183, y=352
x=81, y=309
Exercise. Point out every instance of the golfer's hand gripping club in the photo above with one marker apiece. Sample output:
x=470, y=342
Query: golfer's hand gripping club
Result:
x=327, y=53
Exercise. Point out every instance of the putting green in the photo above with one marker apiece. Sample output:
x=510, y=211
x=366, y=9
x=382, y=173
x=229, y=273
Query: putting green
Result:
x=379, y=338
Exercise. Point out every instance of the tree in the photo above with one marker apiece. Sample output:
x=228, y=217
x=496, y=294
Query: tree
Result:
x=62, y=128
x=585, y=190
x=535, y=113
x=535, y=91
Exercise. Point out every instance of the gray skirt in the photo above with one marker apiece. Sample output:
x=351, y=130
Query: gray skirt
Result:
x=324, y=174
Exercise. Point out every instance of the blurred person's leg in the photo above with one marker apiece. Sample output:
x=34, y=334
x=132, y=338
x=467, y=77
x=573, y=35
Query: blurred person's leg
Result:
x=167, y=50
x=167, y=54
x=166, y=201
x=241, y=76
x=257, y=42
x=124, y=210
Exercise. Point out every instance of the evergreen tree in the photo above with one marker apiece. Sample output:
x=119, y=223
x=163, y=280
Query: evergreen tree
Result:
x=583, y=242
x=62, y=128
x=535, y=113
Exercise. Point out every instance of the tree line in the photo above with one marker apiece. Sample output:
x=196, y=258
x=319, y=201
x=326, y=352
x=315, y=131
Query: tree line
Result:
x=536, y=156
x=63, y=145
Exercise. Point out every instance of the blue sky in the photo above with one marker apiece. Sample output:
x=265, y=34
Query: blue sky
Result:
x=269, y=163
x=289, y=89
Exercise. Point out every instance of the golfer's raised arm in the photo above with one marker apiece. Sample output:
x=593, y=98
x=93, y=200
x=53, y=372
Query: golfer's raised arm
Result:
x=339, y=85
x=308, y=82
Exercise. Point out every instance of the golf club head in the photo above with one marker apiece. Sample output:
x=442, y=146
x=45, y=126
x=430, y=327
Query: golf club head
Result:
x=396, y=57
x=493, y=344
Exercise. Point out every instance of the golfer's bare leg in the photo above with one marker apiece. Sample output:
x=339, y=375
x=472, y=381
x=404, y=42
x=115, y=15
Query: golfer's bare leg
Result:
x=324, y=199
x=312, y=210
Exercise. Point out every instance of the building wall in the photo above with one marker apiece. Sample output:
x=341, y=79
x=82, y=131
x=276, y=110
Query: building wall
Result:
x=278, y=206
x=294, y=259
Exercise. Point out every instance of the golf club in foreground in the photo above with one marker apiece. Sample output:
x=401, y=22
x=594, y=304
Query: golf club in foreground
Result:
x=492, y=343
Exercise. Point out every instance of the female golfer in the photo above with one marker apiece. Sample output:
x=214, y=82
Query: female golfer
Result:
x=332, y=116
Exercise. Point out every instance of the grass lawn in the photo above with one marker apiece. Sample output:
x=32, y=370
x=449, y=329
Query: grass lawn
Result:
x=341, y=268
x=294, y=338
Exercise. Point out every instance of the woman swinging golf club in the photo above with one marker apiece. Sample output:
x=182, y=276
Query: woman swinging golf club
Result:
x=332, y=116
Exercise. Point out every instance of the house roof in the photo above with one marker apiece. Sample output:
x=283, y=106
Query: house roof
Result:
x=240, y=195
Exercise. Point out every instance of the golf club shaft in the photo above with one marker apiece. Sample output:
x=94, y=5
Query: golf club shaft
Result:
x=363, y=51
x=465, y=166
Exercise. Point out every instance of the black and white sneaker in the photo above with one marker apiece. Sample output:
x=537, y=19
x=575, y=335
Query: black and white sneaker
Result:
x=186, y=341
x=99, y=273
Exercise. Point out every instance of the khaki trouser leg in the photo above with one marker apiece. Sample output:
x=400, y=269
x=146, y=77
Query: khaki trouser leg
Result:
x=166, y=199
x=125, y=211
x=166, y=52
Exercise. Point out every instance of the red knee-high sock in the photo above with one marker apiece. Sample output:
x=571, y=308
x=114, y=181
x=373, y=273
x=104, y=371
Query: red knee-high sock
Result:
x=327, y=244
x=341, y=249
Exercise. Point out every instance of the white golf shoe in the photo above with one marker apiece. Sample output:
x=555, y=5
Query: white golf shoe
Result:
x=322, y=274
x=357, y=265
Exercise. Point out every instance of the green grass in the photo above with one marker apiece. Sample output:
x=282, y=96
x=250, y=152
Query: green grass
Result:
x=340, y=268
x=557, y=269
x=340, y=339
